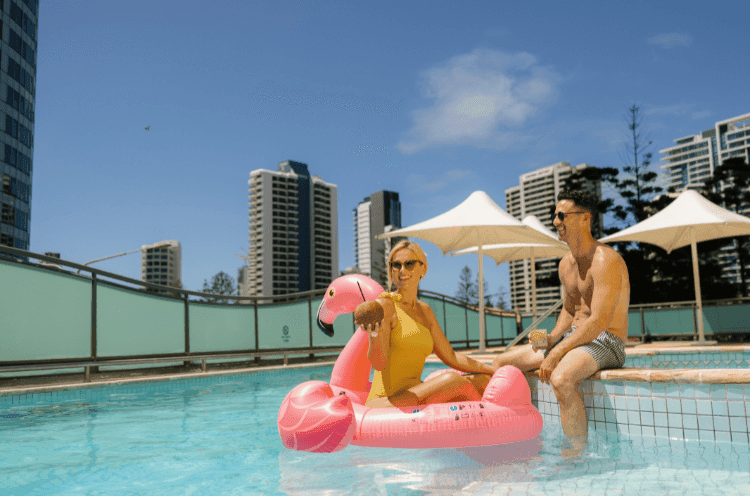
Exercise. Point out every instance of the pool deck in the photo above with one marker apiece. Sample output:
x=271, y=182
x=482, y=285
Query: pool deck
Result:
x=684, y=375
x=32, y=384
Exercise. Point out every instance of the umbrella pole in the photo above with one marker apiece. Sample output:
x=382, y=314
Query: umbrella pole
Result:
x=481, y=300
x=533, y=287
x=696, y=280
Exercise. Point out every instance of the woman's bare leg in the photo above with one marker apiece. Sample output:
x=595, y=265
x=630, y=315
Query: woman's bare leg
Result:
x=446, y=387
x=479, y=381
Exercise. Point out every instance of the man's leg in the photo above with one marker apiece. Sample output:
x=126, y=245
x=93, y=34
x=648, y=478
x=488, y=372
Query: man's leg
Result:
x=575, y=366
x=522, y=357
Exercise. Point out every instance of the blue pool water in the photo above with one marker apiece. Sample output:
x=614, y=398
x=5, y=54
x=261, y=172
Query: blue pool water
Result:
x=218, y=436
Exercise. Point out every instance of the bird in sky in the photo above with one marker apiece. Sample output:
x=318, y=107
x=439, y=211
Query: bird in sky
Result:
x=149, y=127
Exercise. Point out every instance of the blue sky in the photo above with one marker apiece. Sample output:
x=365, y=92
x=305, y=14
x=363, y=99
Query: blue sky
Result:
x=433, y=100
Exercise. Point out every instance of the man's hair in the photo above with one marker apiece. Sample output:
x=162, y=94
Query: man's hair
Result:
x=582, y=200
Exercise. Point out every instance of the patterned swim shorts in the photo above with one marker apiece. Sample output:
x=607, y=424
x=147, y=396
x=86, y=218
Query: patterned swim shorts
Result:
x=607, y=349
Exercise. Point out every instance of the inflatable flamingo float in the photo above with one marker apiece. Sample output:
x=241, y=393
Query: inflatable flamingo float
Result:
x=325, y=417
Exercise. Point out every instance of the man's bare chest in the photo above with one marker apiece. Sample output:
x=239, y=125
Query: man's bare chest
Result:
x=579, y=284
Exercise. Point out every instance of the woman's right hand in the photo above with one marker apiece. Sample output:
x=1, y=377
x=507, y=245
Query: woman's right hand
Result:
x=370, y=317
x=373, y=330
x=368, y=314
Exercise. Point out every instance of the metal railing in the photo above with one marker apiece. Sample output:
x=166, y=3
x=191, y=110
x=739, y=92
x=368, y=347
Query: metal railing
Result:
x=534, y=324
x=194, y=299
x=96, y=279
x=648, y=321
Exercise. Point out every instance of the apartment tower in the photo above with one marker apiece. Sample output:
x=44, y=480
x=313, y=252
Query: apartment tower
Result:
x=293, y=233
x=692, y=161
x=18, y=31
x=161, y=263
x=377, y=214
x=536, y=195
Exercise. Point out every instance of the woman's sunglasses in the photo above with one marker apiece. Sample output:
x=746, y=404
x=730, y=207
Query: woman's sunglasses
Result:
x=561, y=215
x=408, y=265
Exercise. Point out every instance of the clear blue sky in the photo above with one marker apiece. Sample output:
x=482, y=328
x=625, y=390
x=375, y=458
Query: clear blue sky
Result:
x=433, y=100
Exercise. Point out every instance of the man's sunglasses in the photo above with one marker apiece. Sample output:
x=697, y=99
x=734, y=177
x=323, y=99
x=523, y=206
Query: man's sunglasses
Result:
x=409, y=264
x=561, y=215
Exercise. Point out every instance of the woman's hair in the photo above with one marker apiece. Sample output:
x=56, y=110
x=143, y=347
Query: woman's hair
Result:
x=410, y=245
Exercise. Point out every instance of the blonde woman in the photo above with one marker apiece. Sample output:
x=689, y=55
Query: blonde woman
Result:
x=407, y=335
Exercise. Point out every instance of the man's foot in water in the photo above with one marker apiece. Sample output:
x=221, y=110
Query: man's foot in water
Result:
x=574, y=446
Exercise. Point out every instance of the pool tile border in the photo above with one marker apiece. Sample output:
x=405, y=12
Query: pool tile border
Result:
x=89, y=391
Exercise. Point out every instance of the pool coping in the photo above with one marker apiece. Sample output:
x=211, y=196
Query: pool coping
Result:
x=21, y=390
x=627, y=374
x=644, y=374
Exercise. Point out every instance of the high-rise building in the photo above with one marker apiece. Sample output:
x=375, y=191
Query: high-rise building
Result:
x=536, y=195
x=242, y=280
x=161, y=263
x=377, y=214
x=18, y=31
x=293, y=238
x=693, y=159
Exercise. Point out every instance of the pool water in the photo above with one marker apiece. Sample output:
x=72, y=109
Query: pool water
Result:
x=219, y=436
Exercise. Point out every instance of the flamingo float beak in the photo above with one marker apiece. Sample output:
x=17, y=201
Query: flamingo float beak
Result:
x=323, y=315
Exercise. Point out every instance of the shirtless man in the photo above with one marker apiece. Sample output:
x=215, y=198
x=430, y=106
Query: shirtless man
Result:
x=592, y=328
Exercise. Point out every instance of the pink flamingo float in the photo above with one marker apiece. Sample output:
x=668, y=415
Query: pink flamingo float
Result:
x=326, y=417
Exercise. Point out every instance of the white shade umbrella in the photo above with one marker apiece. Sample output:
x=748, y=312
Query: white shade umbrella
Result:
x=476, y=222
x=688, y=220
x=510, y=252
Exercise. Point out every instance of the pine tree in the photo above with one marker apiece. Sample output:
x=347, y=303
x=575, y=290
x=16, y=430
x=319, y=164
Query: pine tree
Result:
x=640, y=187
x=221, y=284
x=487, y=296
x=468, y=291
x=637, y=191
x=501, y=303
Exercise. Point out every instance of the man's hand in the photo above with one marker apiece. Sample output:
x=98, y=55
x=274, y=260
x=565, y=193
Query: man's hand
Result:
x=551, y=342
x=548, y=365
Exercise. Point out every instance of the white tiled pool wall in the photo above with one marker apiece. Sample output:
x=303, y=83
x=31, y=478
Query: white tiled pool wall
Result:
x=690, y=360
x=711, y=412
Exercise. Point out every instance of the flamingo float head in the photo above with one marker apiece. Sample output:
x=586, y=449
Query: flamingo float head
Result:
x=342, y=296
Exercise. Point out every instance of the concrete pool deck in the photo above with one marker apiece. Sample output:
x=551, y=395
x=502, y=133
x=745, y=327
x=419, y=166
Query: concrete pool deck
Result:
x=716, y=375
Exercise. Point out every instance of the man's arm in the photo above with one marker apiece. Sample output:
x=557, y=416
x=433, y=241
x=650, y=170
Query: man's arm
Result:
x=606, y=271
x=565, y=319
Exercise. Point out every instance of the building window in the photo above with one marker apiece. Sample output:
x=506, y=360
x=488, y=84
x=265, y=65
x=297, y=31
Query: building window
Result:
x=23, y=48
x=8, y=215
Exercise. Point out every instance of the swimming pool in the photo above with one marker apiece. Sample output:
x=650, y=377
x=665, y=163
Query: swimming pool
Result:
x=217, y=435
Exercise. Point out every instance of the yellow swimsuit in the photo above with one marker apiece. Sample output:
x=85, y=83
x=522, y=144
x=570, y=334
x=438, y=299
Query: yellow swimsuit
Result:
x=411, y=343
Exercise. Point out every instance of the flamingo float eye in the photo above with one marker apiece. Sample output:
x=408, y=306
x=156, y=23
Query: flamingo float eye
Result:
x=330, y=293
